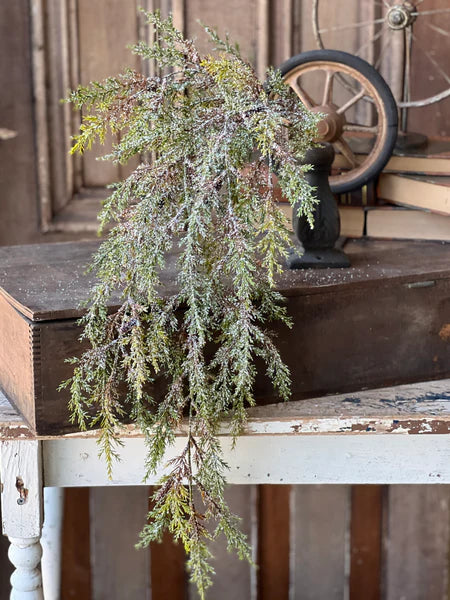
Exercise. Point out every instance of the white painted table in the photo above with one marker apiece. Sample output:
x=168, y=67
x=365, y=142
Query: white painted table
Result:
x=387, y=436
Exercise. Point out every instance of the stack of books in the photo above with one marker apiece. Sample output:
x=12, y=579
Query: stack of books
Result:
x=411, y=199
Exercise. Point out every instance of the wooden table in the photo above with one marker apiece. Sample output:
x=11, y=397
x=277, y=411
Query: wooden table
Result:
x=385, y=436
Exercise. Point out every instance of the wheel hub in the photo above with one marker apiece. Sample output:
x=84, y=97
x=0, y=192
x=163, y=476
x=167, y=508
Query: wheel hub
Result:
x=331, y=127
x=400, y=16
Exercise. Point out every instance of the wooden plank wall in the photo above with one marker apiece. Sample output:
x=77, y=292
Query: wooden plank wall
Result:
x=311, y=542
x=57, y=44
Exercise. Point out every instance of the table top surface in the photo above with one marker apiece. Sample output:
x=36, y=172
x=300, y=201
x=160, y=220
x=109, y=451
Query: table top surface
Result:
x=49, y=281
x=420, y=408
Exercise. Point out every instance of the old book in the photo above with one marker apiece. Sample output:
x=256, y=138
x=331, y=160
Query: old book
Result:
x=432, y=159
x=352, y=219
x=352, y=328
x=429, y=193
x=406, y=223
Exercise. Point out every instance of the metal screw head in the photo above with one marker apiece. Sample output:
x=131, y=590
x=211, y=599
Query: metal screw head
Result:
x=20, y=501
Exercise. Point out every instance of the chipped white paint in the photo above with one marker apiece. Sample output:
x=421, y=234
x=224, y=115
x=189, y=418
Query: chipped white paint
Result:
x=21, y=501
x=51, y=542
x=26, y=581
x=331, y=458
x=21, y=498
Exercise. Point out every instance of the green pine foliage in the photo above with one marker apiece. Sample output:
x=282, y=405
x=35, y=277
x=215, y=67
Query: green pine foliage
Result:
x=215, y=135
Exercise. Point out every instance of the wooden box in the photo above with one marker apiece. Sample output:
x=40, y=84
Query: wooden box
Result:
x=384, y=321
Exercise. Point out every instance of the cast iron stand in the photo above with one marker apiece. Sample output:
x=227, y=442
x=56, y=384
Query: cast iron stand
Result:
x=314, y=248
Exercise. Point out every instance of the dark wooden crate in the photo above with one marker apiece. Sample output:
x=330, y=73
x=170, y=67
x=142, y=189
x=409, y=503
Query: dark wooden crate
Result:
x=384, y=321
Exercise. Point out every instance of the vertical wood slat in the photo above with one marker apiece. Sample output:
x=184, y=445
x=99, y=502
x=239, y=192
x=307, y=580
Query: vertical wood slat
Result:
x=281, y=26
x=40, y=112
x=366, y=541
x=75, y=559
x=262, y=37
x=105, y=30
x=320, y=518
x=74, y=80
x=273, y=542
x=59, y=118
x=235, y=17
x=417, y=542
x=167, y=568
x=118, y=569
x=233, y=578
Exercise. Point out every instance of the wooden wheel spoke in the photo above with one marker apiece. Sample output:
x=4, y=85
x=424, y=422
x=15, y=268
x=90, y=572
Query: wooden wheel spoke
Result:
x=360, y=128
x=328, y=89
x=351, y=102
x=304, y=96
x=346, y=151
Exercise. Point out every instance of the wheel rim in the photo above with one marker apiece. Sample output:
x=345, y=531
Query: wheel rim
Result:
x=345, y=135
x=396, y=17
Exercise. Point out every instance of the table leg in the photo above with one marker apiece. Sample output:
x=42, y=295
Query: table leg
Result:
x=26, y=581
x=51, y=542
x=21, y=501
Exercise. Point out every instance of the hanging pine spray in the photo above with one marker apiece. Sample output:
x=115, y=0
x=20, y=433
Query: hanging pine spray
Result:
x=216, y=134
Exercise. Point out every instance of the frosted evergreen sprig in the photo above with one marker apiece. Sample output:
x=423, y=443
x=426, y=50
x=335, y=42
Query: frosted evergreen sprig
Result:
x=216, y=135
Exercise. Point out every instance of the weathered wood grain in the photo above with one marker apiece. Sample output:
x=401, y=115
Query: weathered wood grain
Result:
x=76, y=556
x=273, y=541
x=16, y=369
x=319, y=542
x=19, y=207
x=302, y=459
x=234, y=578
x=119, y=570
x=416, y=543
x=366, y=542
x=168, y=557
x=339, y=342
x=103, y=52
x=21, y=483
x=237, y=18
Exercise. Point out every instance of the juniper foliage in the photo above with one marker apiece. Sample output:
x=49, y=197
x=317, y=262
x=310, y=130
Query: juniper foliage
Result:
x=216, y=134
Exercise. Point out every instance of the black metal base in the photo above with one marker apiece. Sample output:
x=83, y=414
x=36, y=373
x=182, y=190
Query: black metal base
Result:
x=320, y=258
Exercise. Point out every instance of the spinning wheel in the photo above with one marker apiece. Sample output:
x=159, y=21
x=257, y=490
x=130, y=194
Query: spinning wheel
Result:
x=358, y=109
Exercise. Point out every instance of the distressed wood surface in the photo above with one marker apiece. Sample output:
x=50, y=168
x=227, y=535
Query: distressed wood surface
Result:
x=103, y=53
x=274, y=522
x=75, y=551
x=57, y=284
x=21, y=497
x=19, y=213
x=119, y=570
x=319, y=542
x=416, y=543
x=366, y=541
x=234, y=578
x=51, y=542
x=167, y=557
x=350, y=459
x=363, y=347
x=414, y=409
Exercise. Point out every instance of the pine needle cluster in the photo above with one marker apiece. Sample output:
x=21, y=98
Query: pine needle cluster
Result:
x=215, y=134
